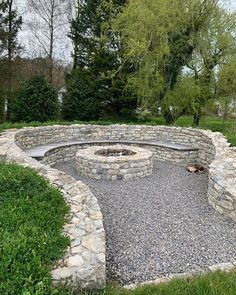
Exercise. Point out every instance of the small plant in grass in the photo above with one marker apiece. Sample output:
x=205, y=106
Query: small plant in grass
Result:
x=32, y=215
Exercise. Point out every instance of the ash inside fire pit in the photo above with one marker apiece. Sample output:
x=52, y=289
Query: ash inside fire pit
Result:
x=114, y=152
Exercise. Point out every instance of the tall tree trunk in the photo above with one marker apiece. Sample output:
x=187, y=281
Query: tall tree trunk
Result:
x=197, y=117
x=9, y=62
x=51, y=42
x=168, y=116
x=51, y=57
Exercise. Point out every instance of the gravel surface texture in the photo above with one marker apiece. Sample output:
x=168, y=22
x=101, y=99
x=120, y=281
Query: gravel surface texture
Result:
x=160, y=225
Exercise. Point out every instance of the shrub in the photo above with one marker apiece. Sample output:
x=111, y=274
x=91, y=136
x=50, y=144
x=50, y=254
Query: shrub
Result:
x=94, y=95
x=32, y=214
x=82, y=100
x=36, y=101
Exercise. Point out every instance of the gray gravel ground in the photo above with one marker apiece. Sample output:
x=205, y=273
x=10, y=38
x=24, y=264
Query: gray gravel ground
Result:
x=160, y=225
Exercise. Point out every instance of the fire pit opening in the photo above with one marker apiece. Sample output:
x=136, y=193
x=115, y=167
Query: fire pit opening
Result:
x=114, y=152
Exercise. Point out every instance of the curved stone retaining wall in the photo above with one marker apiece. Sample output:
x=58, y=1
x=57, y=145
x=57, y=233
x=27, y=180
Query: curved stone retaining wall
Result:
x=214, y=151
x=30, y=137
x=222, y=179
x=85, y=260
x=68, y=153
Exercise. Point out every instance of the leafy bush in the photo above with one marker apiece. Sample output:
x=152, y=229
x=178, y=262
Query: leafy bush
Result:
x=32, y=214
x=82, y=100
x=92, y=96
x=36, y=101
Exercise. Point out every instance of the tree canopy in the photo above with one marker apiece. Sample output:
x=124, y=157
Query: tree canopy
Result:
x=163, y=37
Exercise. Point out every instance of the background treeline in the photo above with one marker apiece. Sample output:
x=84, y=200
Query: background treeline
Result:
x=129, y=59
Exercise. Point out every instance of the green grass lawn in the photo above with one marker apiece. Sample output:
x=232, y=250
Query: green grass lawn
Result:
x=228, y=127
x=218, y=283
x=32, y=215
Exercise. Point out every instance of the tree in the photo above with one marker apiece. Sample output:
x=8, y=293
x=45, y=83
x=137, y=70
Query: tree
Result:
x=90, y=30
x=160, y=38
x=226, y=87
x=182, y=98
x=3, y=33
x=97, y=52
x=46, y=26
x=2, y=105
x=36, y=101
x=10, y=24
x=82, y=100
x=215, y=46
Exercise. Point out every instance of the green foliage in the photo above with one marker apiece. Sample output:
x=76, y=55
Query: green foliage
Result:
x=162, y=37
x=97, y=57
x=82, y=100
x=90, y=30
x=82, y=27
x=182, y=99
x=226, y=87
x=10, y=24
x=36, y=101
x=215, y=46
x=210, y=284
x=144, y=28
x=227, y=79
x=218, y=283
x=32, y=214
x=91, y=97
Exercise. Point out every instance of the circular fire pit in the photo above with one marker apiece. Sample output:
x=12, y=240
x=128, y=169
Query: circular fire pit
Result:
x=116, y=162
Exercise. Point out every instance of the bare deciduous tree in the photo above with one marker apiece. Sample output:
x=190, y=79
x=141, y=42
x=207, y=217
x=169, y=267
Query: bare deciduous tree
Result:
x=50, y=17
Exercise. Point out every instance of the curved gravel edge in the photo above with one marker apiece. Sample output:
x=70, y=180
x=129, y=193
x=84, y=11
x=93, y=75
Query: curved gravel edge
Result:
x=226, y=267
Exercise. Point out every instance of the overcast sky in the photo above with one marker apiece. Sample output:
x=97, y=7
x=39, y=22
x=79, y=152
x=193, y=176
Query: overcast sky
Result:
x=33, y=33
x=63, y=46
x=232, y=5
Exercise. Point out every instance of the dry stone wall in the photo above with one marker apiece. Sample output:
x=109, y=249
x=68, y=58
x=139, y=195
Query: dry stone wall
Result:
x=30, y=137
x=165, y=154
x=84, y=262
x=214, y=151
x=222, y=178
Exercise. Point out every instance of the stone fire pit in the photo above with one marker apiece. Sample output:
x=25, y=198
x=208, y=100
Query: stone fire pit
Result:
x=116, y=162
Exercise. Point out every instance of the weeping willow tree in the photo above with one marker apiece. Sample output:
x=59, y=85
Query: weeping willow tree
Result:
x=215, y=47
x=226, y=88
x=160, y=37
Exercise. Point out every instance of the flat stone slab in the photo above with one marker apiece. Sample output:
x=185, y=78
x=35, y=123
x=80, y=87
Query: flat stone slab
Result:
x=40, y=151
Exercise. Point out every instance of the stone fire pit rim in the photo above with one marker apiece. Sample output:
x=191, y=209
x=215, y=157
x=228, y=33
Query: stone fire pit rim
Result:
x=89, y=153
